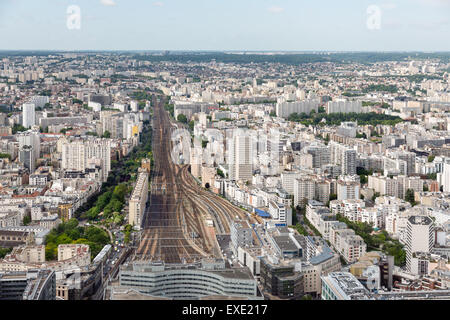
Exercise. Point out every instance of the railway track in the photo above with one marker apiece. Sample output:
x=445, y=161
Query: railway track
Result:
x=174, y=229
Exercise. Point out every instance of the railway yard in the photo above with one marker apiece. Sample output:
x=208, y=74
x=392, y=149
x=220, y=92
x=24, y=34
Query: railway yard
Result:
x=174, y=225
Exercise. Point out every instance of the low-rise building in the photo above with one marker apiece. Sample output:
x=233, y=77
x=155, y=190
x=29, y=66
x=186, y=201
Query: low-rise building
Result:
x=343, y=286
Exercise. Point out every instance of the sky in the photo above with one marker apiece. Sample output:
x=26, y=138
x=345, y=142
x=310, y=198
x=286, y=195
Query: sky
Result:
x=226, y=25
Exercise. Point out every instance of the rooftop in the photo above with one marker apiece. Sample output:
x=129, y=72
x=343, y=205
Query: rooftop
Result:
x=348, y=287
x=285, y=243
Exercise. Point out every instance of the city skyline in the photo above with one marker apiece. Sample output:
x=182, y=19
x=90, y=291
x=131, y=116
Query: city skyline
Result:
x=415, y=25
x=238, y=151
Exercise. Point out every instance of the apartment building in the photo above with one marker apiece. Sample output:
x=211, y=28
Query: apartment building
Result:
x=288, y=179
x=241, y=234
x=138, y=200
x=304, y=190
x=280, y=212
x=347, y=190
x=348, y=244
x=395, y=186
x=285, y=109
x=345, y=157
x=81, y=154
x=343, y=106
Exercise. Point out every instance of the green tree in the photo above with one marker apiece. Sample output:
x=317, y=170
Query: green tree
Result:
x=71, y=224
x=4, y=252
x=220, y=173
x=26, y=220
x=376, y=195
x=191, y=125
x=301, y=229
x=63, y=131
x=410, y=197
x=92, y=213
x=51, y=251
x=361, y=136
x=107, y=135
x=182, y=118
x=18, y=128
x=363, y=179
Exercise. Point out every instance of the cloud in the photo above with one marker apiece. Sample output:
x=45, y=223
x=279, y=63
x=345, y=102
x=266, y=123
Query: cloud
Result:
x=389, y=6
x=275, y=9
x=158, y=4
x=431, y=25
x=109, y=3
x=435, y=2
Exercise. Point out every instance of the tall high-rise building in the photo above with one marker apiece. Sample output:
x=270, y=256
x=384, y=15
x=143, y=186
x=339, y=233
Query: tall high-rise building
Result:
x=80, y=154
x=28, y=115
x=419, y=238
x=26, y=156
x=240, y=157
x=349, y=162
x=323, y=188
x=446, y=177
x=304, y=190
x=409, y=158
x=287, y=180
x=30, y=138
x=320, y=155
x=345, y=157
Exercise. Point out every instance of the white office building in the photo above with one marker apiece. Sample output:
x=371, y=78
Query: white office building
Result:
x=30, y=138
x=343, y=286
x=420, y=238
x=28, y=115
x=240, y=157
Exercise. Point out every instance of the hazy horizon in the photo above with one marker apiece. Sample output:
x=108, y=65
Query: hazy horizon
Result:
x=232, y=25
